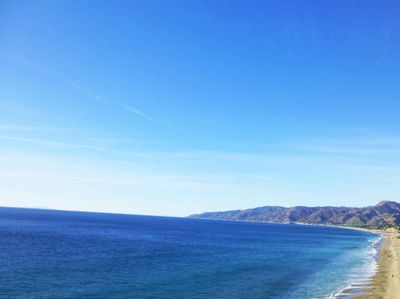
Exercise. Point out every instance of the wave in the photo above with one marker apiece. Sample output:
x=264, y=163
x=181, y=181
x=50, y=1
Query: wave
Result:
x=359, y=280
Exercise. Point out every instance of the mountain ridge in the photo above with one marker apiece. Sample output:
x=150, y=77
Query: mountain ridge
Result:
x=382, y=215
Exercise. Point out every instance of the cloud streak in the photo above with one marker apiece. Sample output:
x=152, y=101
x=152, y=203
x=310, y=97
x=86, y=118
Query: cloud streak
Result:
x=56, y=143
x=76, y=146
x=49, y=72
x=190, y=182
x=73, y=84
x=25, y=128
x=17, y=108
x=349, y=146
x=136, y=111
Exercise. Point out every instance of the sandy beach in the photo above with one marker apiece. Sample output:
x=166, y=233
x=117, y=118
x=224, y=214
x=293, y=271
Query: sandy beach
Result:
x=386, y=282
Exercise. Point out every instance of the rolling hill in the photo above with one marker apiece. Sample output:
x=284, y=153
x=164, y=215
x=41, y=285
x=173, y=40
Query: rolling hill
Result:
x=384, y=214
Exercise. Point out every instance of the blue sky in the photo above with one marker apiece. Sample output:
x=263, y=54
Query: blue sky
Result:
x=178, y=107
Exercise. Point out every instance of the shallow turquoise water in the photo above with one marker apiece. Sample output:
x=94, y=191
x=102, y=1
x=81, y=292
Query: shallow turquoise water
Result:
x=56, y=254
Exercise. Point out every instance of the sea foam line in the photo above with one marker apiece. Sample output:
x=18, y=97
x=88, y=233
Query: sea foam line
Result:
x=361, y=282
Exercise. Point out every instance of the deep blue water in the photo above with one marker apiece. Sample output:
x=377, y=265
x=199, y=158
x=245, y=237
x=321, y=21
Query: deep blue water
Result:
x=56, y=254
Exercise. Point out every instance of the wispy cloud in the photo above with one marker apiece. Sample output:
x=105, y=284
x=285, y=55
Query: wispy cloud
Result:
x=27, y=62
x=77, y=146
x=136, y=111
x=73, y=84
x=84, y=90
x=25, y=128
x=49, y=72
x=202, y=180
x=17, y=108
x=55, y=143
x=195, y=179
x=349, y=146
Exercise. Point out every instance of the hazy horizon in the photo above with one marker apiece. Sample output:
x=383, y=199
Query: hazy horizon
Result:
x=180, y=107
x=161, y=215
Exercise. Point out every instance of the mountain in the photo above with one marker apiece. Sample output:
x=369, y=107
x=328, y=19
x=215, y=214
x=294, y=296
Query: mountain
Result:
x=384, y=214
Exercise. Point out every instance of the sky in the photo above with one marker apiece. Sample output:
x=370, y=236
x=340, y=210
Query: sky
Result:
x=179, y=107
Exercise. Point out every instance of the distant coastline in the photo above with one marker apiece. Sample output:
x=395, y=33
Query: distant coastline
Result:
x=382, y=219
x=385, y=214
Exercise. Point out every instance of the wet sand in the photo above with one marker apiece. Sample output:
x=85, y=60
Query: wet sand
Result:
x=386, y=282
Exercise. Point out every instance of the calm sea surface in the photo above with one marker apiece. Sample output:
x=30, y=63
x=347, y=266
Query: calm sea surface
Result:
x=56, y=254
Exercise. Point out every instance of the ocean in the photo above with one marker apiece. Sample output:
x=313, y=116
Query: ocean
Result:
x=59, y=254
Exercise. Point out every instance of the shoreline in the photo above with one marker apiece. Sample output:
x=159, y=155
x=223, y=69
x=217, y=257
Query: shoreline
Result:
x=361, y=282
x=385, y=283
x=365, y=287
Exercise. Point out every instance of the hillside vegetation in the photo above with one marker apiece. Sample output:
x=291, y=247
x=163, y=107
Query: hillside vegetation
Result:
x=384, y=214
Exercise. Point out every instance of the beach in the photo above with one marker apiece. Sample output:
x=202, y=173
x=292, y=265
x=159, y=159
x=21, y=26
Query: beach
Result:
x=386, y=282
